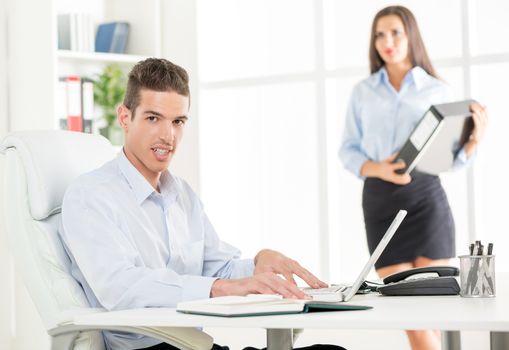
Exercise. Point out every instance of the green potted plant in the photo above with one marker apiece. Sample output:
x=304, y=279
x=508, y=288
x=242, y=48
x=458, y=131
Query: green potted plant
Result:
x=109, y=90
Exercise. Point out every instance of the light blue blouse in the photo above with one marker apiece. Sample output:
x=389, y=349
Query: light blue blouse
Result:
x=380, y=119
x=133, y=247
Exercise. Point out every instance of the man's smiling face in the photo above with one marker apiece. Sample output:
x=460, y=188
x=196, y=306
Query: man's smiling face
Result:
x=153, y=134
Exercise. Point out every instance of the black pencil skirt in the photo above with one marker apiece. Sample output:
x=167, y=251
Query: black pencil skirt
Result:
x=428, y=229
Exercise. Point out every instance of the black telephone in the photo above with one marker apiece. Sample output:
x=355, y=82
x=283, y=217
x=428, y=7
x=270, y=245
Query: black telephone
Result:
x=418, y=282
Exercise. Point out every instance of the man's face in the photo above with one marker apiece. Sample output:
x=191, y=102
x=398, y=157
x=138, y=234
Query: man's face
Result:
x=152, y=136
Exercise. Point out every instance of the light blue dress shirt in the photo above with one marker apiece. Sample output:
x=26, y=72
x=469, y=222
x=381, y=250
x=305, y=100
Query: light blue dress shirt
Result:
x=380, y=119
x=133, y=247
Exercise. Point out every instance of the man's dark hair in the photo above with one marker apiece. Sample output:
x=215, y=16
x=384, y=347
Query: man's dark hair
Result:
x=155, y=74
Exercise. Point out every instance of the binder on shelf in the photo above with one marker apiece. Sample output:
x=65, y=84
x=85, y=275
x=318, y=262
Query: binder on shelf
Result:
x=87, y=104
x=73, y=91
x=61, y=103
x=75, y=103
x=112, y=37
x=437, y=138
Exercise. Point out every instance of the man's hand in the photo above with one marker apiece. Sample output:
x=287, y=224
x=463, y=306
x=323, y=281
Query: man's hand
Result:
x=386, y=170
x=271, y=261
x=261, y=283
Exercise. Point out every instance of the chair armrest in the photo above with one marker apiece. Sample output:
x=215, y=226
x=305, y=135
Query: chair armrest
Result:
x=185, y=338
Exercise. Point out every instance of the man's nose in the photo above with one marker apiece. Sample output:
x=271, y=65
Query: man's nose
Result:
x=168, y=132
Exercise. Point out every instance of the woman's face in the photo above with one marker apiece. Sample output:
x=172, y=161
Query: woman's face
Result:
x=391, y=41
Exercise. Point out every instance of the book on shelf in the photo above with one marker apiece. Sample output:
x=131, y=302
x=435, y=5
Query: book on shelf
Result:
x=75, y=32
x=75, y=103
x=112, y=37
x=260, y=305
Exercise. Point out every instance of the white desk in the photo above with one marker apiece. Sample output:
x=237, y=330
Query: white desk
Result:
x=447, y=313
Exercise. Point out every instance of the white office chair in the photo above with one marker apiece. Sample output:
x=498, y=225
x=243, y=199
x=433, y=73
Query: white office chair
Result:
x=39, y=165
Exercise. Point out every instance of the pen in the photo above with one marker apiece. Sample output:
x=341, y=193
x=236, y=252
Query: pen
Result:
x=474, y=273
x=487, y=273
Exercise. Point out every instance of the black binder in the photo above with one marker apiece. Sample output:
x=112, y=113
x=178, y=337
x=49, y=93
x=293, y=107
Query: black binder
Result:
x=437, y=138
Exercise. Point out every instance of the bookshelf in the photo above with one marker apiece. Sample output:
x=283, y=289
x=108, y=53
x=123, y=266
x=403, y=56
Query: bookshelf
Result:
x=39, y=63
x=99, y=57
x=160, y=28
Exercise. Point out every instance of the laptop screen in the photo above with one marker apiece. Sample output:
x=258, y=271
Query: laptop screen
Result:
x=378, y=251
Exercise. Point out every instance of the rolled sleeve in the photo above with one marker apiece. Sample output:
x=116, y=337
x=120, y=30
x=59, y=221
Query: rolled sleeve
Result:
x=221, y=259
x=461, y=160
x=196, y=287
x=353, y=160
x=242, y=268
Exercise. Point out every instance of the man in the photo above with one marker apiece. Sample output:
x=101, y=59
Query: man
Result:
x=138, y=236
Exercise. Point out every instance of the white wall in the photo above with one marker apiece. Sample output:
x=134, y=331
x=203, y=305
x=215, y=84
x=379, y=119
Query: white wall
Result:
x=20, y=325
x=178, y=25
x=5, y=271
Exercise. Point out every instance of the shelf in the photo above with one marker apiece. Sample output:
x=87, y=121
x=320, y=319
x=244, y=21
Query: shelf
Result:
x=98, y=57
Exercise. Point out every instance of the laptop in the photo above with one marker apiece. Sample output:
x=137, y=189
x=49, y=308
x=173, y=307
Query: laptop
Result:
x=341, y=293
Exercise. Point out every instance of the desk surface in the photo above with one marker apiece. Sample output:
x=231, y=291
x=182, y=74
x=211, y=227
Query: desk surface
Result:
x=434, y=312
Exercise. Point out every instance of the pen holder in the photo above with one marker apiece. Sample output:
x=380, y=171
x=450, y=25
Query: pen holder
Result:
x=477, y=276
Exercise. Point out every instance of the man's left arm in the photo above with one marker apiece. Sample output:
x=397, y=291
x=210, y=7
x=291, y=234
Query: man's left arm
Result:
x=221, y=259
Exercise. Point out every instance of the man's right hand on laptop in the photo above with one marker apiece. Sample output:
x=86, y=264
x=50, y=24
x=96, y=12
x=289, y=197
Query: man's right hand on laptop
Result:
x=272, y=261
x=261, y=283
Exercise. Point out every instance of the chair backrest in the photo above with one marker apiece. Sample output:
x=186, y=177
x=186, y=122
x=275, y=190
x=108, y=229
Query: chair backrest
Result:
x=38, y=167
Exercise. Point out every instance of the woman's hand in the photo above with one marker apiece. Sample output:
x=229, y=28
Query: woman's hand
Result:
x=480, y=118
x=386, y=170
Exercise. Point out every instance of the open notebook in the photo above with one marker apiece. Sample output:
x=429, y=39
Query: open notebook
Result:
x=339, y=293
x=259, y=305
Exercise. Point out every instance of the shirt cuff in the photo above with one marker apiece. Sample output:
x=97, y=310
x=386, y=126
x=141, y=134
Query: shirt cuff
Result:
x=461, y=159
x=355, y=163
x=242, y=268
x=196, y=287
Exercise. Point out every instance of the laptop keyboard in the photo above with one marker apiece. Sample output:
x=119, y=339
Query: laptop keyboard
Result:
x=321, y=291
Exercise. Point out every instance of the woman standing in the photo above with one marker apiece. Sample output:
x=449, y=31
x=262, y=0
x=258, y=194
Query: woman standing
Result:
x=383, y=110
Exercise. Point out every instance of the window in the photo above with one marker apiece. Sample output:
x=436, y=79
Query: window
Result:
x=275, y=78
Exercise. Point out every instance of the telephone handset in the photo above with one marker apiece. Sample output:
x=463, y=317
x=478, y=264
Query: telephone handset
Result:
x=418, y=281
x=440, y=270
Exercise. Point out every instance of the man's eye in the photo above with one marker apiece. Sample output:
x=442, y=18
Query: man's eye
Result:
x=152, y=118
x=179, y=122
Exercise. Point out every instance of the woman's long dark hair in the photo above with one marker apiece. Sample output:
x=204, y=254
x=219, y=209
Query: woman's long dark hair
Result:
x=416, y=49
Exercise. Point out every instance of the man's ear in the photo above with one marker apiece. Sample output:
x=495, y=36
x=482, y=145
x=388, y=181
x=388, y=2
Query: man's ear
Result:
x=123, y=116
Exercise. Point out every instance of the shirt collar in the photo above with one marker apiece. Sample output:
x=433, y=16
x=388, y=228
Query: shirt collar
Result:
x=416, y=75
x=419, y=76
x=141, y=187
